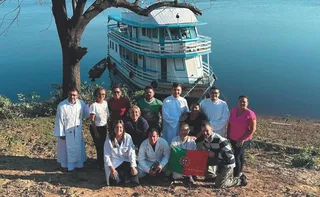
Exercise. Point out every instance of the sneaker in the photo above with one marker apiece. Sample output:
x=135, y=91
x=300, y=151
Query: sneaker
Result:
x=135, y=179
x=243, y=179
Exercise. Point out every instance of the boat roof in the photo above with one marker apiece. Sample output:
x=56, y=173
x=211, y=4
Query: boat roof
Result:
x=162, y=17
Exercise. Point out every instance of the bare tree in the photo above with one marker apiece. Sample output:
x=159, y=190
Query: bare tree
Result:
x=70, y=30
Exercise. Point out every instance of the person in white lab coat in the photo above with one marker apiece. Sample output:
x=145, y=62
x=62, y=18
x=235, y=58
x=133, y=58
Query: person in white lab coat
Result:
x=153, y=154
x=172, y=108
x=119, y=156
x=71, y=152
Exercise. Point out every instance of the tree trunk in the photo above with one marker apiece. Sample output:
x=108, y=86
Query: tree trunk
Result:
x=71, y=70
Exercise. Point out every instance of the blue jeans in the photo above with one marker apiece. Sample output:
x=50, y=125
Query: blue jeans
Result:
x=239, y=156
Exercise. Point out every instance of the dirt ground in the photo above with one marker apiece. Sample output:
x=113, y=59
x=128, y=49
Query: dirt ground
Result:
x=28, y=168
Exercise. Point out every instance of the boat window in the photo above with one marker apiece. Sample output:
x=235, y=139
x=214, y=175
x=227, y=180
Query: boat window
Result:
x=167, y=34
x=116, y=48
x=179, y=64
x=193, y=32
x=155, y=33
x=175, y=35
x=149, y=32
x=144, y=31
x=109, y=44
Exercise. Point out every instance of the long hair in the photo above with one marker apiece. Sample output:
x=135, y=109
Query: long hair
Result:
x=112, y=135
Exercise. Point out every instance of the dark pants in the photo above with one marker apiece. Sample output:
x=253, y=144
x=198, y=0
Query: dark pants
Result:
x=239, y=156
x=124, y=173
x=99, y=143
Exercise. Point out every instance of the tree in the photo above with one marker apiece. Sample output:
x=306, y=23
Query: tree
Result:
x=70, y=30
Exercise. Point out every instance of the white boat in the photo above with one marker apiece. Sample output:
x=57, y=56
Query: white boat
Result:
x=158, y=50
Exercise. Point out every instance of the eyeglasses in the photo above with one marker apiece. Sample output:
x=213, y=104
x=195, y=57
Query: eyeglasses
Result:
x=73, y=95
x=101, y=94
x=116, y=92
x=214, y=92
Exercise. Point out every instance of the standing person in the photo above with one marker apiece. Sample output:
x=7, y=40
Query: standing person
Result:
x=71, y=152
x=172, y=109
x=120, y=156
x=185, y=142
x=118, y=105
x=216, y=111
x=151, y=108
x=136, y=126
x=99, y=114
x=220, y=153
x=194, y=120
x=153, y=154
x=242, y=125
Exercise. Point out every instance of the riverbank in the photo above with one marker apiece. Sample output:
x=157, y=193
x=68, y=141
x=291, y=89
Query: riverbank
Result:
x=29, y=168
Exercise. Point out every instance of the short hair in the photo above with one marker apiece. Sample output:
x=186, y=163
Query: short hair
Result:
x=73, y=89
x=134, y=107
x=96, y=91
x=116, y=86
x=148, y=87
x=184, y=124
x=194, y=104
x=243, y=96
x=151, y=130
x=175, y=85
x=206, y=123
x=214, y=88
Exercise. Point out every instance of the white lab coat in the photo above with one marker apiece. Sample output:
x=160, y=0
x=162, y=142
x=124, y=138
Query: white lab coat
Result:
x=147, y=156
x=172, y=109
x=114, y=156
x=71, y=151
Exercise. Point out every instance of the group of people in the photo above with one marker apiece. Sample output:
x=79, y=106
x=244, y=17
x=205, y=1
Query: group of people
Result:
x=133, y=141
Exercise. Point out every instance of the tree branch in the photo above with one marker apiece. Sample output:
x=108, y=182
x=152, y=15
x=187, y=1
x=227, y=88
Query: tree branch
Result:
x=146, y=11
x=78, y=11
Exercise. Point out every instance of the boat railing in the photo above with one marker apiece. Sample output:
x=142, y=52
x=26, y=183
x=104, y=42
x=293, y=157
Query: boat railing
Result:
x=141, y=74
x=200, y=45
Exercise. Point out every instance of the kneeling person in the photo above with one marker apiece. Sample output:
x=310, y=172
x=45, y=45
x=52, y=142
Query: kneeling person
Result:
x=220, y=153
x=153, y=154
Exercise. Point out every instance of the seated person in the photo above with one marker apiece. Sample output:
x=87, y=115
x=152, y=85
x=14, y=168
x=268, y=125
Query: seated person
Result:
x=119, y=156
x=185, y=142
x=220, y=153
x=153, y=154
x=137, y=126
x=194, y=120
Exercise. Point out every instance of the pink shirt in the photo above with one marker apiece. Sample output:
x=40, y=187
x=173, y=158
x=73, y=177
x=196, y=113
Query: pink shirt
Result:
x=240, y=125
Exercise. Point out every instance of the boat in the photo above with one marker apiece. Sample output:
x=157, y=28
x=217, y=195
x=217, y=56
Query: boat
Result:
x=158, y=50
x=97, y=70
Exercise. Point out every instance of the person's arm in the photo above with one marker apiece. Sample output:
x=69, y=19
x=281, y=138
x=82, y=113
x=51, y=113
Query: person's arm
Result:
x=166, y=114
x=251, y=130
x=228, y=131
x=142, y=158
x=107, y=156
x=59, y=124
x=145, y=127
x=166, y=154
x=92, y=111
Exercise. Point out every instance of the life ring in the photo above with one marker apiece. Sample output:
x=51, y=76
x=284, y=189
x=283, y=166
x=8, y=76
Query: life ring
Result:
x=154, y=84
x=131, y=74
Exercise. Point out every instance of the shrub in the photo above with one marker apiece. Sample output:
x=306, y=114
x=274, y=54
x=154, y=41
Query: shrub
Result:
x=305, y=159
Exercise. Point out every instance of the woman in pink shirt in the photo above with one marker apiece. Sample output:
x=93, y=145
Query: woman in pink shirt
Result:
x=242, y=125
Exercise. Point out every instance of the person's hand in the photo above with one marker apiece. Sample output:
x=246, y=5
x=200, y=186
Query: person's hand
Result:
x=134, y=171
x=240, y=143
x=158, y=169
x=96, y=135
x=62, y=137
x=152, y=173
x=114, y=173
x=211, y=154
x=193, y=137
